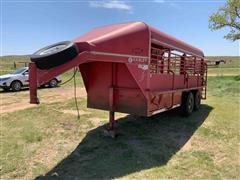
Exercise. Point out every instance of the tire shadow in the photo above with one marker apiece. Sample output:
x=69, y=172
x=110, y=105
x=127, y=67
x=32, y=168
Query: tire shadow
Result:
x=143, y=143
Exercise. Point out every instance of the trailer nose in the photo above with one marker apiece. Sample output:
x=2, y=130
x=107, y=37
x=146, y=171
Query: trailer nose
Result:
x=55, y=54
x=52, y=61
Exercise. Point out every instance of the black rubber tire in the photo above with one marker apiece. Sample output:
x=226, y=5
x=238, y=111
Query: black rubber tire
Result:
x=67, y=51
x=187, y=103
x=16, y=86
x=53, y=83
x=197, y=100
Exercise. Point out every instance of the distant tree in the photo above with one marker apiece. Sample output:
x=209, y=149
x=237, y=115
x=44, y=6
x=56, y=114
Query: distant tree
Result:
x=227, y=16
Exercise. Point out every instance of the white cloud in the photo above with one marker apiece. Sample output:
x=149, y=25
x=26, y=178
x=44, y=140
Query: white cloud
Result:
x=175, y=5
x=111, y=5
x=171, y=4
x=159, y=1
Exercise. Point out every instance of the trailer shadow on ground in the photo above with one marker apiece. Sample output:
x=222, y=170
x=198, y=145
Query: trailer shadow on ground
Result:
x=143, y=143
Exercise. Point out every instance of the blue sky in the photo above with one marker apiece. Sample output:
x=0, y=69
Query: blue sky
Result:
x=30, y=25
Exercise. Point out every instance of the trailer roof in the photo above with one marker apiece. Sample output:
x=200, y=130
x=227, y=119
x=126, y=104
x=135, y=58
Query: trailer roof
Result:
x=174, y=43
x=157, y=36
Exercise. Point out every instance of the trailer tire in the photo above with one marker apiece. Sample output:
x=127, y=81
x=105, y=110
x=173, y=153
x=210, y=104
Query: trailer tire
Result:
x=187, y=103
x=55, y=54
x=197, y=100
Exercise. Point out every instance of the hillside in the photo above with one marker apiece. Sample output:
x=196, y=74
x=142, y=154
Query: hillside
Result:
x=7, y=62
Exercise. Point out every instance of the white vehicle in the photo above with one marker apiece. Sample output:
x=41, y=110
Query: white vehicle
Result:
x=18, y=79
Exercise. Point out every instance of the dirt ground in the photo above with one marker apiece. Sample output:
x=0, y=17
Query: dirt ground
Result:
x=13, y=101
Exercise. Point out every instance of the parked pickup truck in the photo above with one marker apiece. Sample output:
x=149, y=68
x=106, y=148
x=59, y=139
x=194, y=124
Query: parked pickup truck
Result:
x=18, y=79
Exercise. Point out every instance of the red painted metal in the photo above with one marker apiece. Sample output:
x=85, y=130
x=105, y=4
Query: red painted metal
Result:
x=131, y=68
x=33, y=83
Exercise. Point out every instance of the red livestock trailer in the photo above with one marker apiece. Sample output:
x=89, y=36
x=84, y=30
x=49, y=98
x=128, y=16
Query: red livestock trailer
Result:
x=130, y=67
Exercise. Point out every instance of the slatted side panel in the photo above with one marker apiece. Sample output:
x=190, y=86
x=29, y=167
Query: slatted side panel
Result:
x=164, y=60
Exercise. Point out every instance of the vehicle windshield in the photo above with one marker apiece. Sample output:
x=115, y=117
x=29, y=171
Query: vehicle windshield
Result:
x=19, y=71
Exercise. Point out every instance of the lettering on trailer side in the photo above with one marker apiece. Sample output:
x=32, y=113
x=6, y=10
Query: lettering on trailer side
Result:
x=137, y=60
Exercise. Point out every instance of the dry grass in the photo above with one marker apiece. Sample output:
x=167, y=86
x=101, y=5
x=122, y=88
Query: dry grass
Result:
x=42, y=140
x=49, y=141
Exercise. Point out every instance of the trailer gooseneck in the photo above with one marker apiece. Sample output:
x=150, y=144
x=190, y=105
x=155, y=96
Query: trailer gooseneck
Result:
x=130, y=67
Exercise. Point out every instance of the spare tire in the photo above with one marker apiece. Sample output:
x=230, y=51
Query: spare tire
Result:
x=55, y=54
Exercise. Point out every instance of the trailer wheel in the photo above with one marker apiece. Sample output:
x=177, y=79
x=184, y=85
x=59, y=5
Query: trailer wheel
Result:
x=197, y=100
x=187, y=103
x=55, y=54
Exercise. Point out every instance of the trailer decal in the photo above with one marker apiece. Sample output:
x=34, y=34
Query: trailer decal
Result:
x=143, y=66
x=137, y=59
